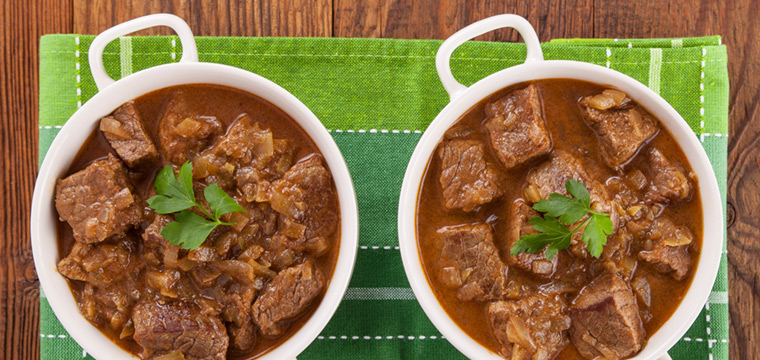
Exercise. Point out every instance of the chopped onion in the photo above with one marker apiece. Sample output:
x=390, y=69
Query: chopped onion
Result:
x=679, y=237
x=283, y=259
x=317, y=246
x=282, y=204
x=174, y=355
x=128, y=330
x=188, y=128
x=519, y=333
x=637, y=179
x=113, y=127
x=171, y=253
x=450, y=277
x=644, y=292
x=239, y=271
x=261, y=270
x=291, y=228
x=186, y=264
x=203, y=253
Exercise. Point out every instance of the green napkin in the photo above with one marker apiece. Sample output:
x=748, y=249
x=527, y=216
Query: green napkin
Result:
x=377, y=96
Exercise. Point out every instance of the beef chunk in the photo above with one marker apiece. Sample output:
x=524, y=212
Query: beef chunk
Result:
x=100, y=264
x=237, y=311
x=305, y=196
x=111, y=272
x=605, y=320
x=152, y=238
x=516, y=127
x=467, y=179
x=519, y=226
x=126, y=133
x=98, y=202
x=245, y=143
x=287, y=296
x=667, y=248
x=254, y=179
x=162, y=327
x=183, y=132
x=616, y=255
x=669, y=182
x=552, y=175
x=470, y=261
x=620, y=126
x=531, y=328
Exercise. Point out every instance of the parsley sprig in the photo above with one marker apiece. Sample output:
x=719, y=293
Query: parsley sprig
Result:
x=560, y=212
x=176, y=195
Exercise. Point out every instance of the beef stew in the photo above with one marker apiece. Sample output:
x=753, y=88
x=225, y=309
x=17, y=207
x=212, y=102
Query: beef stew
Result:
x=572, y=305
x=232, y=297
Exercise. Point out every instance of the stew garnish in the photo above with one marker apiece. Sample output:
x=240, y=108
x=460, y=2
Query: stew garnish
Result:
x=176, y=195
x=561, y=211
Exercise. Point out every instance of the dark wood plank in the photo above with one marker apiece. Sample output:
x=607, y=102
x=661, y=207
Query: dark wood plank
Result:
x=428, y=19
x=22, y=23
x=213, y=18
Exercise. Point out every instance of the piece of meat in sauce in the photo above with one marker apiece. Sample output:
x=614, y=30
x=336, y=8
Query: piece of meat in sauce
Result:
x=156, y=249
x=182, y=132
x=470, y=261
x=254, y=179
x=111, y=272
x=532, y=328
x=237, y=312
x=467, y=179
x=99, y=201
x=537, y=263
x=244, y=143
x=666, y=247
x=287, y=296
x=162, y=327
x=304, y=196
x=616, y=255
x=669, y=181
x=605, y=320
x=102, y=263
x=552, y=175
x=620, y=125
x=126, y=134
x=516, y=127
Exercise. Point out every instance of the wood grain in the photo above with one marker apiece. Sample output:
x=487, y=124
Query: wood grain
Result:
x=213, y=18
x=24, y=21
x=22, y=24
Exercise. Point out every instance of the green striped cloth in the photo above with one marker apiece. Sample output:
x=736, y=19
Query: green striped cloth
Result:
x=377, y=97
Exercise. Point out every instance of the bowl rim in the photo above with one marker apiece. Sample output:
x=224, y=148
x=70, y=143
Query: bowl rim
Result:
x=713, y=232
x=78, y=127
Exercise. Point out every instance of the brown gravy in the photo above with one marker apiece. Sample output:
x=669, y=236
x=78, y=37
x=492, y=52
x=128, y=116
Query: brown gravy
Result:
x=569, y=133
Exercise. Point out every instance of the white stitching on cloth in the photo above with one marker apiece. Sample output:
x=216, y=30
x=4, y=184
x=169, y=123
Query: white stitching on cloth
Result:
x=365, y=247
x=375, y=131
x=379, y=337
x=78, y=67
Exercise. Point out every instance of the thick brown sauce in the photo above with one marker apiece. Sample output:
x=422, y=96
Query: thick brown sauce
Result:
x=227, y=104
x=569, y=133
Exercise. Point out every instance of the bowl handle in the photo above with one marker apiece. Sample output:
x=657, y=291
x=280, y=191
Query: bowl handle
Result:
x=189, y=50
x=443, y=57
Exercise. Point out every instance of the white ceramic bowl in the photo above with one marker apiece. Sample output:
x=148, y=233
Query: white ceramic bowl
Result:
x=113, y=94
x=534, y=68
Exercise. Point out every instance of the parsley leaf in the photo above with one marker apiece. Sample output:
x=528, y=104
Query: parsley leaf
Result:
x=595, y=234
x=189, y=230
x=176, y=195
x=561, y=211
x=219, y=202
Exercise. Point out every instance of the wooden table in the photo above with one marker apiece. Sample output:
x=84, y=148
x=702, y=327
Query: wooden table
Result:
x=23, y=22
